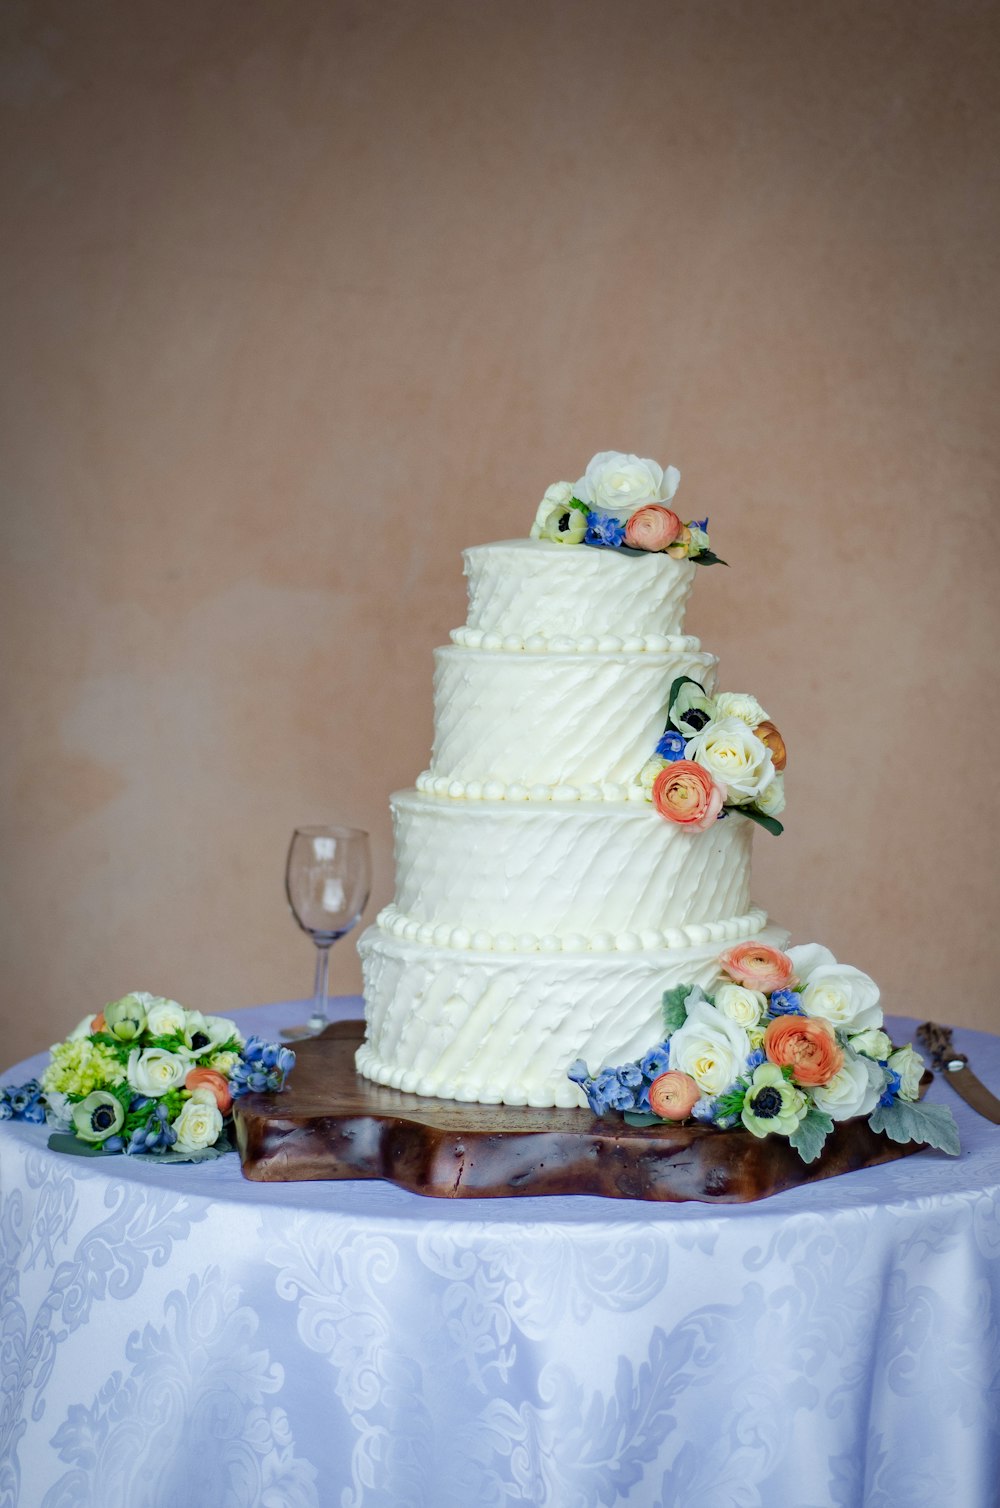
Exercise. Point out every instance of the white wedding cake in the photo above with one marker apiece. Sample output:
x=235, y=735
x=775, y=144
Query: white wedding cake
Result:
x=543, y=905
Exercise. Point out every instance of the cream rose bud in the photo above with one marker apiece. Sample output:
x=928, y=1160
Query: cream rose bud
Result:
x=199, y=1124
x=872, y=1044
x=710, y=1047
x=729, y=751
x=844, y=996
x=154, y=1071
x=910, y=1067
x=223, y=1062
x=649, y=772
x=771, y=800
x=556, y=496
x=742, y=705
x=855, y=1090
x=745, y=1007
x=620, y=483
x=165, y=1018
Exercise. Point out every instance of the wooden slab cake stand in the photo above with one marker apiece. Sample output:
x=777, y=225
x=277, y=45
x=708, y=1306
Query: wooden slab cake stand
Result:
x=329, y=1123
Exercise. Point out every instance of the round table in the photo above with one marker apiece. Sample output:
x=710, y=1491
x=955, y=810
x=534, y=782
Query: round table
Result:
x=178, y=1337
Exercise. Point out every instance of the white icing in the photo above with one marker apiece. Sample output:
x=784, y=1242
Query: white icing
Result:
x=565, y=866
x=396, y=923
x=474, y=638
x=527, y=587
x=551, y=719
x=504, y=1028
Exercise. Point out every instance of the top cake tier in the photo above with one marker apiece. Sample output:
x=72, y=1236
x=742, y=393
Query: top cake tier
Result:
x=531, y=589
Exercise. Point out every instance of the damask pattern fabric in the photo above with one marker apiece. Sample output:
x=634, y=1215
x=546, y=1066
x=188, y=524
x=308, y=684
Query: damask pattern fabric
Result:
x=176, y=1337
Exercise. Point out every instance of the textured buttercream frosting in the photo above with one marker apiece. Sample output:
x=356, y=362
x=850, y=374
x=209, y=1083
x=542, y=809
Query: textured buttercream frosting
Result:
x=542, y=906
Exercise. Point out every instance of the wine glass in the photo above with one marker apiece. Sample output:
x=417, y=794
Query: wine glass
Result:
x=327, y=881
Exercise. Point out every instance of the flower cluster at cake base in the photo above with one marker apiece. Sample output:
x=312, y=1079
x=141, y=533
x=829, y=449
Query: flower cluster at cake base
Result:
x=784, y=1044
x=146, y=1076
x=717, y=754
x=620, y=504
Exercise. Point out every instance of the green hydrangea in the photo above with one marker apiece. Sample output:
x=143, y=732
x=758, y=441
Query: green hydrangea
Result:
x=79, y=1067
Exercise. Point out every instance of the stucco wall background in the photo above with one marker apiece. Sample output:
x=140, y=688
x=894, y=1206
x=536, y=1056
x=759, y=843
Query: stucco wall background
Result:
x=300, y=299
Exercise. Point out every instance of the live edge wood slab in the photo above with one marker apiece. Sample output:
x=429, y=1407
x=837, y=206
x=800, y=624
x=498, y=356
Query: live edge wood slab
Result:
x=329, y=1123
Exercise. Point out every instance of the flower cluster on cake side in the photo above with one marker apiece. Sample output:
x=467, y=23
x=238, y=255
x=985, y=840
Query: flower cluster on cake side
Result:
x=147, y=1076
x=717, y=754
x=784, y=1044
x=620, y=503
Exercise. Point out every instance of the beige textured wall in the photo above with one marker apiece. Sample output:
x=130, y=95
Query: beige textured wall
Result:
x=299, y=299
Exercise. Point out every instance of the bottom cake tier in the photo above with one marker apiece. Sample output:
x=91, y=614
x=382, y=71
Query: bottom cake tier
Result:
x=503, y=1029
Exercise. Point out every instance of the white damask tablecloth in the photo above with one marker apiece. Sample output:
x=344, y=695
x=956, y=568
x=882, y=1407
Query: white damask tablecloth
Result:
x=176, y=1337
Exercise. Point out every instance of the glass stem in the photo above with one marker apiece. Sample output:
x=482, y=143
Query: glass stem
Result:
x=319, y=1017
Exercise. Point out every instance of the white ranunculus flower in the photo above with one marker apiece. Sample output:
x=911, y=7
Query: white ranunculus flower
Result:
x=82, y=1029
x=872, y=1044
x=220, y=1029
x=154, y=1071
x=620, y=483
x=771, y=799
x=734, y=756
x=910, y=1067
x=165, y=1018
x=198, y=1126
x=742, y=705
x=745, y=1007
x=844, y=996
x=855, y=1090
x=556, y=496
x=710, y=1047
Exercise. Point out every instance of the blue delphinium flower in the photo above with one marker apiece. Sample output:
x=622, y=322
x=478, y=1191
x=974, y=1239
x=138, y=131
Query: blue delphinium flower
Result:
x=656, y=1061
x=577, y=1072
x=603, y=530
x=22, y=1102
x=700, y=523
x=891, y=1089
x=6, y=1113
x=642, y=1098
x=263, y=1067
x=621, y=1096
x=630, y=1074
x=704, y=1109
x=671, y=746
x=785, y=1003
x=756, y=1058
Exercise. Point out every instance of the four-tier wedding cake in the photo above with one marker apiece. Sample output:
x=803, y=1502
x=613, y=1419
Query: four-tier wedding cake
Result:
x=558, y=867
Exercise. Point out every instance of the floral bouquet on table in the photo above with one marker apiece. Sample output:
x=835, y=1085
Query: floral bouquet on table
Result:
x=785, y=1044
x=145, y=1076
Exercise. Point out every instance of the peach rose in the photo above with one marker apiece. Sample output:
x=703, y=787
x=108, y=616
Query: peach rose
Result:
x=652, y=528
x=210, y=1078
x=673, y=1095
x=772, y=739
x=758, y=966
x=806, y=1045
x=686, y=793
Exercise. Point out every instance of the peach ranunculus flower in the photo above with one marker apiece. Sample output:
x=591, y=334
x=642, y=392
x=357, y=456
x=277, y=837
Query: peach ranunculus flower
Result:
x=652, y=528
x=673, y=1095
x=757, y=965
x=99, y=1024
x=772, y=739
x=210, y=1078
x=685, y=792
x=807, y=1046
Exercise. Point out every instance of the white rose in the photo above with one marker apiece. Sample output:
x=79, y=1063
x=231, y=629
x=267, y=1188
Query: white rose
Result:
x=742, y=705
x=620, y=483
x=556, y=496
x=855, y=1090
x=771, y=800
x=745, y=1007
x=153, y=1071
x=710, y=1047
x=198, y=1126
x=910, y=1067
x=734, y=756
x=844, y=996
x=165, y=1018
x=872, y=1044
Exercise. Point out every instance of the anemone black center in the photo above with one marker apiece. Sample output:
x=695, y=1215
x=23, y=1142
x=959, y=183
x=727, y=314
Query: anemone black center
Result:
x=102, y=1118
x=564, y=523
x=199, y=1040
x=696, y=718
x=766, y=1103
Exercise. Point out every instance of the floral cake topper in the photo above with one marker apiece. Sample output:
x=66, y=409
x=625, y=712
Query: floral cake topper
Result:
x=620, y=503
x=717, y=754
x=784, y=1044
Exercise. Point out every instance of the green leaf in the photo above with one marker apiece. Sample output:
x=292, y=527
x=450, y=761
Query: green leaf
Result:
x=207, y=1154
x=905, y=1121
x=638, y=1118
x=575, y=502
x=769, y=824
x=64, y=1141
x=708, y=557
x=675, y=689
x=730, y=1106
x=675, y=1007
x=810, y=1134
